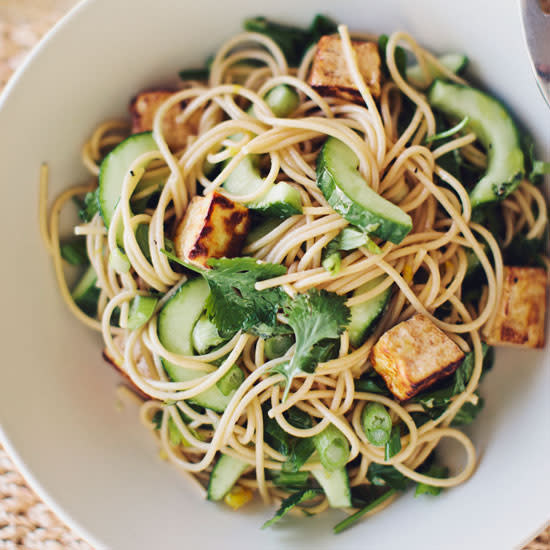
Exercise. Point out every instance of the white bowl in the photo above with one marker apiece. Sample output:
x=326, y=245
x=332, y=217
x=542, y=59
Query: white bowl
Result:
x=97, y=466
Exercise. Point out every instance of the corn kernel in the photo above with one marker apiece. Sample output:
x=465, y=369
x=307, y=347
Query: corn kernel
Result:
x=238, y=496
x=408, y=273
x=163, y=455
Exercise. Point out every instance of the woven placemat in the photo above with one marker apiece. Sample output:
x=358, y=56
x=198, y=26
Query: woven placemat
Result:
x=25, y=521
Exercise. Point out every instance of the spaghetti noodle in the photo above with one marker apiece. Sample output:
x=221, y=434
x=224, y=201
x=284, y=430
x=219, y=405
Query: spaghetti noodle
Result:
x=397, y=164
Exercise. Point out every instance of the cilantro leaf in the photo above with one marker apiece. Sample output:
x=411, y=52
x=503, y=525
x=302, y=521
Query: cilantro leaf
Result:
x=314, y=316
x=290, y=502
x=234, y=303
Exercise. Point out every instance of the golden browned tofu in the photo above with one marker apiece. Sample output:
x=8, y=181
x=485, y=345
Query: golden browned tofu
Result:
x=213, y=227
x=330, y=75
x=143, y=109
x=413, y=355
x=519, y=320
x=120, y=342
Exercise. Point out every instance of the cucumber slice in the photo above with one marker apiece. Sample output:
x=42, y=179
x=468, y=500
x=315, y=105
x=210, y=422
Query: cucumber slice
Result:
x=231, y=380
x=281, y=201
x=282, y=100
x=86, y=294
x=335, y=485
x=85, y=284
x=364, y=316
x=205, y=335
x=349, y=194
x=277, y=346
x=175, y=327
x=225, y=474
x=496, y=131
x=455, y=62
x=113, y=170
x=261, y=230
x=141, y=310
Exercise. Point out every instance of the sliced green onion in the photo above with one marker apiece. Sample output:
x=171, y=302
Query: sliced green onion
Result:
x=231, y=380
x=377, y=424
x=448, y=133
x=333, y=448
x=277, y=346
x=348, y=522
x=333, y=263
x=119, y=261
x=141, y=310
x=290, y=480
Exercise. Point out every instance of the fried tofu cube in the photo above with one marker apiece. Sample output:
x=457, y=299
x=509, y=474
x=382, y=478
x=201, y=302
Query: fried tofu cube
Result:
x=143, y=109
x=520, y=315
x=213, y=227
x=413, y=355
x=330, y=75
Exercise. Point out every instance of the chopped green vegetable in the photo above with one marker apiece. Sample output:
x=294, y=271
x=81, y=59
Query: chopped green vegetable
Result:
x=231, y=380
x=314, y=316
x=290, y=502
x=534, y=168
x=382, y=475
x=277, y=346
x=320, y=26
x=333, y=448
x=448, y=133
x=377, y=424
x=74, y=251
x=393, y=446
x=294, y=481
x=297, y=450
x=141, y=310
x=435, y=401
x=350, y=238
x=142, y=238
x=525, y=252
x=293, y=41
x=119, y=261
x=439, y=472
x=468, y=412
x=205, y=335
x=90, y=206
x=195, y=74
x=234, y=303
x=372, y=382
x=400, y=57
x=86, y=294
x=349, y=521
x=333, y=262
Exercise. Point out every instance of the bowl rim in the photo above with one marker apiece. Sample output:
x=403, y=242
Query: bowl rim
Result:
x=5, y=440
x=12, y=452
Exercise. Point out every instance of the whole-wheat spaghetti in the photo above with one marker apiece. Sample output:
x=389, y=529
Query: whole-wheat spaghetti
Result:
x=426, y=270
